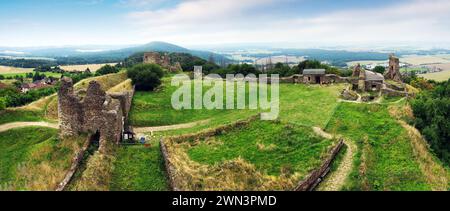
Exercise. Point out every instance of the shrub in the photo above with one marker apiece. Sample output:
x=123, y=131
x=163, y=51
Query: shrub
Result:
x=379, y=69
x=2, y=103
x=107, y=69
x=146, y=77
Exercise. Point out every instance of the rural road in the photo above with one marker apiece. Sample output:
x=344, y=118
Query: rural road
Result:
x=169, y=127
x=14, y=125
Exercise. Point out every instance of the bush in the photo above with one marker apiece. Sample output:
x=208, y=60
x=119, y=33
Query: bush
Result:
x=379, y=69
x=146, y=77
x=2, y=103
x=107, y=69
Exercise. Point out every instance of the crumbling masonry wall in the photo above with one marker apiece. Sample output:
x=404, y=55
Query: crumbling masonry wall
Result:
x=393, y=71
x=96, y=112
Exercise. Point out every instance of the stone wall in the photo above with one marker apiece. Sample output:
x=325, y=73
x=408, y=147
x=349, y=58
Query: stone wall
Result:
x=394, y=93
x=314, y=179
x=97, y=111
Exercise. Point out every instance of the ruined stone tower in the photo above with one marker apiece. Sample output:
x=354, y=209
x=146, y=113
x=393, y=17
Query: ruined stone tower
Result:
x=96, y=112
x=163, y=60
x=393, y=71
x=357, y=70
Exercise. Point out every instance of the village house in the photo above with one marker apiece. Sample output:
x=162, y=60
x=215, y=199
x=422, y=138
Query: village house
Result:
x=39, y=84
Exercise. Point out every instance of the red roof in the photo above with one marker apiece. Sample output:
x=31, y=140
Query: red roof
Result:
x=2, y=85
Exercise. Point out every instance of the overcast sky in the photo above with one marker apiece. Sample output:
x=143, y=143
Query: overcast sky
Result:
x=203, y=22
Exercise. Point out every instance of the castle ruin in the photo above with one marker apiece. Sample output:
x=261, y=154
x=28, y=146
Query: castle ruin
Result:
x=393, y=71
x=95, y=112
x=163, y=60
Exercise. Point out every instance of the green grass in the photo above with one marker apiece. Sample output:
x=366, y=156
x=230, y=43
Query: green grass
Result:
x=272, y=147
x=7, y=116
x=48, y=74
x=300, y=104
x=16, y=145
x=385, y=159
x=139, y=169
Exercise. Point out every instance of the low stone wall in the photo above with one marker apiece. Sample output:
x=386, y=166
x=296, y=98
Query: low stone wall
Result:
x=317, y=176
x=394, y=93
x=75, y=164
x=170, y=169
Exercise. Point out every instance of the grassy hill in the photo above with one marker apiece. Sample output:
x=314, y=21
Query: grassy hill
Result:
x=33, y=158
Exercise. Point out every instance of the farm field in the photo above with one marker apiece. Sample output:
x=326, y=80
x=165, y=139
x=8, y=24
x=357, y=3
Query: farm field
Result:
x=48, y=74
x=270, y=156
x=92, y=67
x=437, y=76
x=422, y=60
x=14, y=70
x=366, y=62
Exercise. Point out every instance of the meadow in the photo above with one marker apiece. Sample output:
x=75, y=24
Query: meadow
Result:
x=300, y=104
x=33, y=158
x=385, y=158
x=263, y=155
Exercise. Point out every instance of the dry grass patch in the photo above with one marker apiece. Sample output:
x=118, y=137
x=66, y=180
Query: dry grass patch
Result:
x=124, y=86
x=97, y=175
x=92, y=67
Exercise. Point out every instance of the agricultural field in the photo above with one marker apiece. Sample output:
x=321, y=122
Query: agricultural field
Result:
x=92, y=67
x=423, y=60
x=437, y=76
x=366, y=62
x=14, y=70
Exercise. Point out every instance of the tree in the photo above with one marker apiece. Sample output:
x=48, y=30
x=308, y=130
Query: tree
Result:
x=2, y=103
x=146, y=77
x=379, y=69
x=107, y=69
x=432, y=117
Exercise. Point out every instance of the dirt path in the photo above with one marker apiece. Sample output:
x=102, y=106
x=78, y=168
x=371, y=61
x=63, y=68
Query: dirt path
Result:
x=169, y=127
x=14, y=125
x=336, y=179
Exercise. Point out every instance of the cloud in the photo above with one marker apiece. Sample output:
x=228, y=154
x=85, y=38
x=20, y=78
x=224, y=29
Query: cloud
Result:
x=205, y=21
x=140, y=3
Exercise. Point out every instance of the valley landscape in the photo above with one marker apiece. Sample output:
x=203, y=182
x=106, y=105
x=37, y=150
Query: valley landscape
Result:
x=166, y=117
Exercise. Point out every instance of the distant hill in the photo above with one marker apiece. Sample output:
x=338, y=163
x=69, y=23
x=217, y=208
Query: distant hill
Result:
x=186, y=60
x=101, y=54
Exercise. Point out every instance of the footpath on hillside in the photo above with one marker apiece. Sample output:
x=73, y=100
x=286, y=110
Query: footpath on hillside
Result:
x=14, y=125
x=336, y=179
